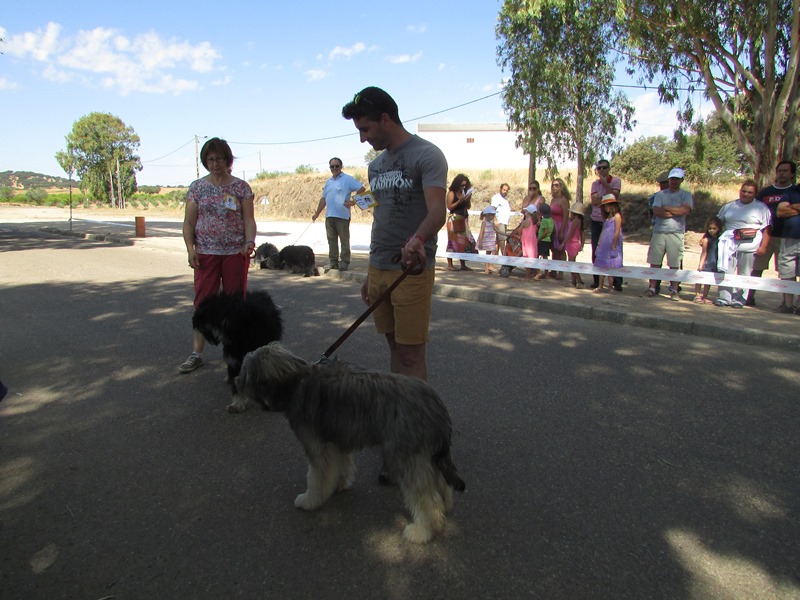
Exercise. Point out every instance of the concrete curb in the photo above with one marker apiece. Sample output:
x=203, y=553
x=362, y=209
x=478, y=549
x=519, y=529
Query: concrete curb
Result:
x=755, y=337
x=98, y=237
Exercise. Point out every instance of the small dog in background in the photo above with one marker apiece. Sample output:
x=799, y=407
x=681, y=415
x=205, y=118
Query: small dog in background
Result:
x=297, y=259
x=263, y=252
x=334, y=409
x=240, y=325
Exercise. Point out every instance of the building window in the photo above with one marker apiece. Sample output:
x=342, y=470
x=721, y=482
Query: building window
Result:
x=470, y=140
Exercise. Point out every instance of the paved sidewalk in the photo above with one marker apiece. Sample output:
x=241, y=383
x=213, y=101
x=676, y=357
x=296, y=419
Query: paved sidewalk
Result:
x=759, y=325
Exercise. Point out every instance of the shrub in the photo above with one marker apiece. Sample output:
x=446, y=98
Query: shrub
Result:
x=6, y=194
x=36, y=196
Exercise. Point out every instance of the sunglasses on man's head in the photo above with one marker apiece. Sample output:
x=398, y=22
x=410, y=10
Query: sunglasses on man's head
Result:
x=336, y=166
x=358, y=98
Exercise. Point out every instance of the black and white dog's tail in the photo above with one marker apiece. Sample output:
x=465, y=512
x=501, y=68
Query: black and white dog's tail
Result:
x=444, y=463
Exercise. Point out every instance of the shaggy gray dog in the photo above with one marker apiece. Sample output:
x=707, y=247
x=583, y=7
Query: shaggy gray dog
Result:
x=298, y=259
x=263, y=252
x=334, y=409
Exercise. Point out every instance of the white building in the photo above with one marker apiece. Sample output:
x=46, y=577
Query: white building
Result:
x=476, y=145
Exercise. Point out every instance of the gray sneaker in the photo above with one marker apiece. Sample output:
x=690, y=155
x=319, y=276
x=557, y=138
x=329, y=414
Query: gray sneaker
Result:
x=343, y=267
x=327, y=268
x=190, y=364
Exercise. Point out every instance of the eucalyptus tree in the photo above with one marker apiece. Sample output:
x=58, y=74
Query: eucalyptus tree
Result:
x=101, y=151
x=742, y=54
x=559, y=93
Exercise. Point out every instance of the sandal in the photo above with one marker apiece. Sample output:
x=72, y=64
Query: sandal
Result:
x=698, y=299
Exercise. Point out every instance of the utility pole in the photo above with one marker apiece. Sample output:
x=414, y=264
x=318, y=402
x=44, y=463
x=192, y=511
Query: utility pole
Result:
x=197, y=139
x=119, y=188
x=196, y=157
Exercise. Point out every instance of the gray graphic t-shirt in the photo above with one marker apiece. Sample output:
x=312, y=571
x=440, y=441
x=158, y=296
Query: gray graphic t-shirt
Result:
x=397, y=179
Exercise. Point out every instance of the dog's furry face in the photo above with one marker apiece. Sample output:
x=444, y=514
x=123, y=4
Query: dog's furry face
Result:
x=335, y=409
x=263, y=252
x=240, y=325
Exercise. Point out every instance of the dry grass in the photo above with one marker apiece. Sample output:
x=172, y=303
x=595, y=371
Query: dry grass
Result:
x=295, y=197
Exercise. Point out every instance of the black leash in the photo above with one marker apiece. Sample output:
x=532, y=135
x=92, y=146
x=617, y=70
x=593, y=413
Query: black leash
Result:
x=415, y=270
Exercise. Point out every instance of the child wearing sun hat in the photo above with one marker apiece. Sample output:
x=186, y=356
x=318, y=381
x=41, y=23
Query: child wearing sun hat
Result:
x=487, y=238
x=576, y=238
x=609, y=247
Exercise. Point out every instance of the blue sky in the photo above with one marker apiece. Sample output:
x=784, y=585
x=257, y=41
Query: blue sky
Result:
x=266, y=76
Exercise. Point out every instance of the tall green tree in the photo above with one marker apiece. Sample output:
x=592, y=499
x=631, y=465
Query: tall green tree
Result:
x=101, y=150
x=743, y=54
x=559, y=94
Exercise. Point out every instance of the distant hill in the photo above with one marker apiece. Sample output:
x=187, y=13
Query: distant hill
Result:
x=25, y=180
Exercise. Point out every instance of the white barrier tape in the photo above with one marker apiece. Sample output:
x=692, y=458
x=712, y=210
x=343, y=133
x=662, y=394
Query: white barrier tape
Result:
x=779, y=286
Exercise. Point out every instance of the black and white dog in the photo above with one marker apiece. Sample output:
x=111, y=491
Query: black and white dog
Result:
x=297, y=259
x=240, y=325
x=334, y=409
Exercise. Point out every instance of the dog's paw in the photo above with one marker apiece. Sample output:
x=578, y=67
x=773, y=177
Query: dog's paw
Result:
x=238, y=405
x=304, y=501
x=417, y=533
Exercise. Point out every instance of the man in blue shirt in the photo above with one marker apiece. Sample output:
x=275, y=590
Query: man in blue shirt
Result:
x=336, y=202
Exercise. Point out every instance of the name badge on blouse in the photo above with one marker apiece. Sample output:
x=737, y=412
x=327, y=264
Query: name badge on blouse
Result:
x=230, y=202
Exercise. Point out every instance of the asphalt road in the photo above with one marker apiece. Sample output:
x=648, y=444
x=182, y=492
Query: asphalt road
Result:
x=601, y=461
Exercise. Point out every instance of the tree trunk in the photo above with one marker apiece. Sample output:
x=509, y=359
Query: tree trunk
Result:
x=531, y=169
x=111, y=187
x=579, y=182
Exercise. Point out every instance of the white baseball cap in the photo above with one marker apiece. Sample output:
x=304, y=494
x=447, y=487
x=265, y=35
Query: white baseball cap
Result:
x=677, y=173
x=531, y=208
x=489, y=210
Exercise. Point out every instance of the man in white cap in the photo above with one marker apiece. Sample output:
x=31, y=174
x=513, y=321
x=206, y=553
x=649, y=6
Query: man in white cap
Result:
x=670, y=208
x=663, y=183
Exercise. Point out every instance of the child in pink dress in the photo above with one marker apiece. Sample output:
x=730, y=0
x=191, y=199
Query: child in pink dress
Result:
x=530, y=240
x=575, y=239
x=487, y=238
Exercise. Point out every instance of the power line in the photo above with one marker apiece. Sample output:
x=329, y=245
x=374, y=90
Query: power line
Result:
x=346, y=135
x=170, y=154
x=336, y=137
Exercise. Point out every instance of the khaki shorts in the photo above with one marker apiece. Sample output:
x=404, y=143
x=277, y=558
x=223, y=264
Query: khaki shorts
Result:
x=789, y=258
x=762, y=262
x=407, y=312
x=670, y=244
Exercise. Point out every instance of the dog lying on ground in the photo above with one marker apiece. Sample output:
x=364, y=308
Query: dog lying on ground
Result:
x=240, y=325
x=297, y=259
x=334, y=409
x=263, y=252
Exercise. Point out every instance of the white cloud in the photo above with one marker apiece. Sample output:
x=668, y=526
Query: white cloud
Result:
x=404, y=58
x=5, y=84
x=102, y=56
x=38, y=44
x=652, y=118
x=418, y=28
x=316, y=74
x=347, y=53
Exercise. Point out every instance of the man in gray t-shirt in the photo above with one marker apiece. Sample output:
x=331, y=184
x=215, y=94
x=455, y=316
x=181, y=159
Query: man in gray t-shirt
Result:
x=409, y=181
x=670, y=208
